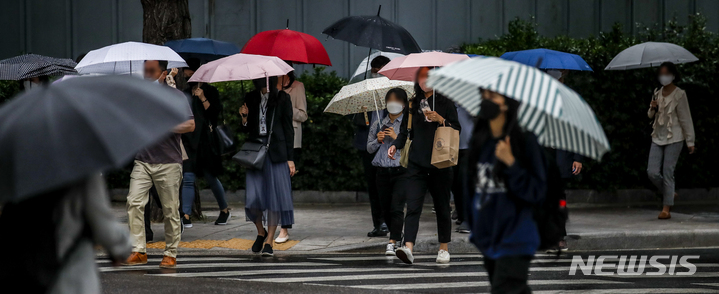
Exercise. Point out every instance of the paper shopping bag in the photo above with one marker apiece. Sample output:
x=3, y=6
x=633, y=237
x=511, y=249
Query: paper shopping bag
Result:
x=445, y=151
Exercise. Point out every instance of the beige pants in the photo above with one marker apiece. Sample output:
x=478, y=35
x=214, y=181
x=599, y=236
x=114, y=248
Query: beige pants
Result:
x=167, y=179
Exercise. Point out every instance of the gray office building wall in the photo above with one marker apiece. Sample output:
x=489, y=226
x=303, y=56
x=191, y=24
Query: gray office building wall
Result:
x=67, y=28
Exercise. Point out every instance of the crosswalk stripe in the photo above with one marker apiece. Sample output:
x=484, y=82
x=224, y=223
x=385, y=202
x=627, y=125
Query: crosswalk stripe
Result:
x=212, y=265
x=282, y=271
x=356, y=258
x=184, y=259
x=707, y=284
x=371, y=277
x=629, y=291
x=478, y=284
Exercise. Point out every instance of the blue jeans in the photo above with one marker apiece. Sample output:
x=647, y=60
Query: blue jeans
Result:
x=188, y=191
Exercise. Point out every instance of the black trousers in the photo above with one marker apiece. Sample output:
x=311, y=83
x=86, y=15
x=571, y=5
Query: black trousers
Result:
x=508, y=275
x=438, y=181
x=458, y=183
x=148, y=212
x=563, y=196
x=391, y=198
x=370, y=174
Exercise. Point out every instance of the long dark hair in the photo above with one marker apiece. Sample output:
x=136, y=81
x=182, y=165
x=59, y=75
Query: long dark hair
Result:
x=482, y=133
x=262, y=82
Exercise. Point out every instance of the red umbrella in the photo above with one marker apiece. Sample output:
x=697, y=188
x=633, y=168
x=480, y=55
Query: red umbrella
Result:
x=288, y=45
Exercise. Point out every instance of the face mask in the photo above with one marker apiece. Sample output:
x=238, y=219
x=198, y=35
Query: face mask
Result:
x=423, y=85
x=375, y=75
x=156, y=81
x=394, y=107
x=555, y=73
x=488, y=110
x=666, y=79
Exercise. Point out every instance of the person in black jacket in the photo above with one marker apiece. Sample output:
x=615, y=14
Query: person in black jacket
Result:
x=204, y=158
x=267, y=117
x=421, y=174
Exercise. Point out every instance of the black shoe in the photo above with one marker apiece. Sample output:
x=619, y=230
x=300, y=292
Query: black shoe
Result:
x=384, y=229
x=186, y=222
x=222, y=219
x=267, y=251
x=455, y=215
x=257, y=246
x=376, y=233
x=148, y=237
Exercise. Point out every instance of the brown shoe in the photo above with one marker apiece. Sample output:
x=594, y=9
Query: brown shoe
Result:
x=136, y=258
x=168, y=262
x=665, y=215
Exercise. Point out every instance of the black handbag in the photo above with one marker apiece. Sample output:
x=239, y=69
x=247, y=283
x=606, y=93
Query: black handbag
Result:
x=253, y=153
x=223, y=141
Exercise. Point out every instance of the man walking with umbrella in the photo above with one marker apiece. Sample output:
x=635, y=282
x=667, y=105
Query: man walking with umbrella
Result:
x=160, y=165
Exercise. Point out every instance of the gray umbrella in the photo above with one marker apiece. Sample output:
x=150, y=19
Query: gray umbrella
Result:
x=33, y=65
x=53, y=135
x=650, y=54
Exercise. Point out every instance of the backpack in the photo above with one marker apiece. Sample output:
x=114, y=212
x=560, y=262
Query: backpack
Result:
x=551, y=215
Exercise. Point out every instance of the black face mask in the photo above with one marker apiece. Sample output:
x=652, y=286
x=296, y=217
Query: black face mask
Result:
x=488, y=110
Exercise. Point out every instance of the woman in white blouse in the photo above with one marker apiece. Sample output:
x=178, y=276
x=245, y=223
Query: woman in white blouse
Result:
x=672, y=126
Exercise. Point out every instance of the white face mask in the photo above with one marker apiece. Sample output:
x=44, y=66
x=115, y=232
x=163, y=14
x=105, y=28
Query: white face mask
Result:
x=375, y=75
x=394, y=107
x=555, y=73
x=666, y=79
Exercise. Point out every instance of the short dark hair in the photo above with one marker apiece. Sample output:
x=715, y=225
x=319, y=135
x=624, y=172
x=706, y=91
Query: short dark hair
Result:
x=399, y=92
x=379, y=62
x=672, y=68
x=161, y=63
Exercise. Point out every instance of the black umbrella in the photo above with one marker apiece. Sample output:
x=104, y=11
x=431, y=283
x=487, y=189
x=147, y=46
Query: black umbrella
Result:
x=374, y=32
x=57, y=134
x=33, y=65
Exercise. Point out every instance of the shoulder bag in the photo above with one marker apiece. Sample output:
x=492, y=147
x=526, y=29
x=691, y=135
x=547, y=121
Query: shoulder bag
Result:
x=404, y=153
x=253, y=153
x=222, y=137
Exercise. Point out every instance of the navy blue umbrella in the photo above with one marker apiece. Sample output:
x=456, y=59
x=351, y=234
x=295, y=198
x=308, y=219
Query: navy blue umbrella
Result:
x=202, y=48
x=550, y=59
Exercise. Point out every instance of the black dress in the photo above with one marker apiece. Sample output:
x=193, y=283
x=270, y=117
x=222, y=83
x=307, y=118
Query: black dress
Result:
x=199, y=144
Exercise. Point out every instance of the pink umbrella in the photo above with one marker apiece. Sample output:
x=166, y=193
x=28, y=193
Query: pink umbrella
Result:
x=405, y=68
x=240, y=67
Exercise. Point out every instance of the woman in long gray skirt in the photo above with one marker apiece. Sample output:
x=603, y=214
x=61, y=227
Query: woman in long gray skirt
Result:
x=672, y=126
x=267, y=115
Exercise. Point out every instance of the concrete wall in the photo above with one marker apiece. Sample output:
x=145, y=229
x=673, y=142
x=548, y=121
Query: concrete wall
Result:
x=67, y=28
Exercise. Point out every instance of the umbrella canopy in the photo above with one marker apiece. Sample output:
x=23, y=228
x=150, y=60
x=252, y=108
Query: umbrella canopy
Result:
x=288, y=45
x=405, y=68
x=33, y=65
x=202, y=48
x=374, y=32
x=559, y=117
x=650, y=54
x=369, y=93
x=550, y=59
x=364, y=65
x=125, y=58
x=240, y=67
x=54, y=135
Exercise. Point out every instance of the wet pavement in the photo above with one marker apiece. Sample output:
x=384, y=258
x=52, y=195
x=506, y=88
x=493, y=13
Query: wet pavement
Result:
x=375, y=273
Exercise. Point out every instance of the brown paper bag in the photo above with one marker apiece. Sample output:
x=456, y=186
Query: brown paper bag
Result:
x=445, y=151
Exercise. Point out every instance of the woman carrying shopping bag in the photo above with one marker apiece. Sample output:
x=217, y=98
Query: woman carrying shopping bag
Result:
x=430, y=110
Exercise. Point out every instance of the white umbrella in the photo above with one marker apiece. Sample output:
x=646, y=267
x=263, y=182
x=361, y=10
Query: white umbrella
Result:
x=369, y=93
x=650, y=54
x=363, y=66
x=559, y=117
x=126, y=58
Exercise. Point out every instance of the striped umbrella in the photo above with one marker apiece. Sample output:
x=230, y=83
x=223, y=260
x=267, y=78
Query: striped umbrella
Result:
x=33, y=65
x=559, y=117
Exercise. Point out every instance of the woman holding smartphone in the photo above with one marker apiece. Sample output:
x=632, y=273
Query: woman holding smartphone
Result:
x=430, y=110
x=389, y=171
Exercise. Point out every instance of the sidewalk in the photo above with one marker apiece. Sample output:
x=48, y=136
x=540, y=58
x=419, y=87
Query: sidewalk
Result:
x=334, y=228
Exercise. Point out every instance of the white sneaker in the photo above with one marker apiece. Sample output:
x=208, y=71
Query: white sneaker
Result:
x=443, y=257
x=405, y=255
x=279, y=240
x=390, y=250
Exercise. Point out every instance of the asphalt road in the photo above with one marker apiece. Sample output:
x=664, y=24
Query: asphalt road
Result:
x=375, y=273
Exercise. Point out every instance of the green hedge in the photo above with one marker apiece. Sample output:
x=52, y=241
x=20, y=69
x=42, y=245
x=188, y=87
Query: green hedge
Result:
x=620, y=99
